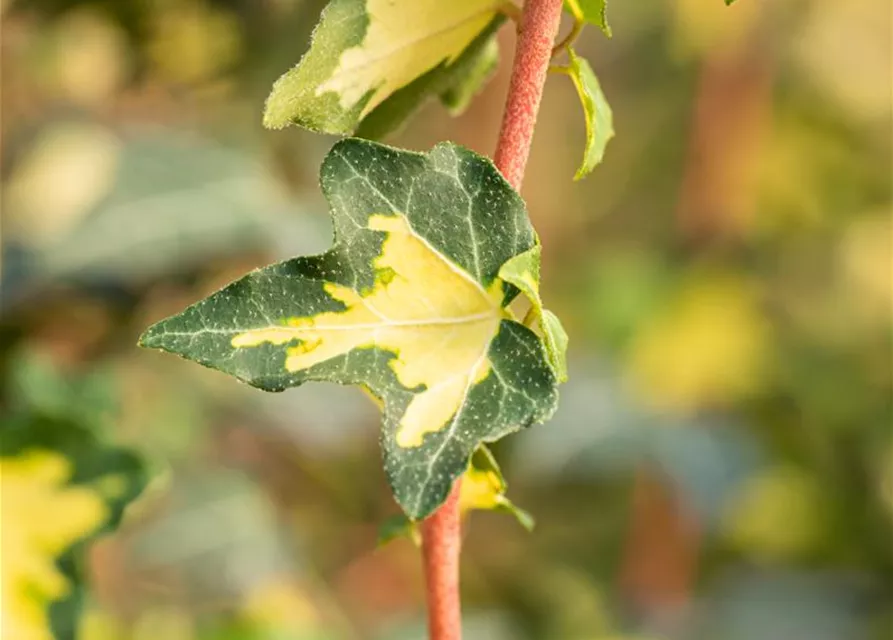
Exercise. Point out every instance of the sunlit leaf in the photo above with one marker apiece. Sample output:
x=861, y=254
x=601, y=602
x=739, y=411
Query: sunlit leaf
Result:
x=61, y=487
x=407, y=304
x=596, y=111
x=523, y=271
x=364, y=52
x=591, y=11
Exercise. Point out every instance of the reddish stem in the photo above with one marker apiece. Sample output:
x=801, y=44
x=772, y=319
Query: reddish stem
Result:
x=539, y=26
x=441, y=532
x=441, y=543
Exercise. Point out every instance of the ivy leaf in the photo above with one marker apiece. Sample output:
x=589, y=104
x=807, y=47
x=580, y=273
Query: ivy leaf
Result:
x=407, y=304
x=523, y=271
x=366, y=51
x=596, y=110
x=483, y=489
x=62, y=487
x=593, y=12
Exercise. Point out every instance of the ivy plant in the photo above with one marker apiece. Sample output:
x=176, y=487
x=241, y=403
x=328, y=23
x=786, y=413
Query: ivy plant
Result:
x=411, y=303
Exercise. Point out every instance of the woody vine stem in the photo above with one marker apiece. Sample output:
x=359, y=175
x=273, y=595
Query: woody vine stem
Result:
x=441, y=532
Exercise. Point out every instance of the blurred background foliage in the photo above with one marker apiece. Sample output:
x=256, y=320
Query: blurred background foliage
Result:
x=721, y=466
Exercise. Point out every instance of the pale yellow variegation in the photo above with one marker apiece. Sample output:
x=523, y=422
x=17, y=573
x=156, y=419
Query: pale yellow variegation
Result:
x=435, y=318
x=403, y=41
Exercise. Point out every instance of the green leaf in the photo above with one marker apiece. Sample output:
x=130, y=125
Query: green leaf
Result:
x=365, y=51
x=407, y=304
x=596, y=110
x=523, y=271
x=62, y=487
x=591, y=11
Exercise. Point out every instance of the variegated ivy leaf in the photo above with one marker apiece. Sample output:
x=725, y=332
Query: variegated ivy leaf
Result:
x=408, y=304
x=374, y=61
x=483, y=489
x=591, y=11
x=596, y=111
x=61, y=488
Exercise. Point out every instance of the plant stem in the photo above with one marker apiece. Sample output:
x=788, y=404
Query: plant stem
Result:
x=441, y=544
x=441, y=532
x=539, y=26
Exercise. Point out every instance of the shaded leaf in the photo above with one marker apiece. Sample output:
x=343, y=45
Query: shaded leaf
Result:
x=591, y=11
x=364, y=51
x=596, y=110
x=407, y=304
x=523, y=271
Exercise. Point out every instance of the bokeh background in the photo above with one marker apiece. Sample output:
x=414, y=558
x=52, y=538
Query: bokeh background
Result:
x=721, y=466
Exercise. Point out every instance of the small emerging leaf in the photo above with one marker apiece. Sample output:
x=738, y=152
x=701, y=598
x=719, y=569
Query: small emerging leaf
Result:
x=408, y=304
x=484, y=488
x=523, y=271
x=365, y=51
x=593, y=12
x=596, y=110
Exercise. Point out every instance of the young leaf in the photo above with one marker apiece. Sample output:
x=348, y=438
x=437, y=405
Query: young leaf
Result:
x=484, y=488
x=407, y=304
x=523, y=271
x=596, y=110
x=591, y=11
x=61, y=488
x=364, y=51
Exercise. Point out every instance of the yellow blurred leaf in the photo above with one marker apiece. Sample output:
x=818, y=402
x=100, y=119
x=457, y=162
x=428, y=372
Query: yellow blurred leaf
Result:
x=280, y=604
x=39, y=518
x=705, y=26
x=866, y=262
x=90, y=58
x=845, y=47
x=64, y=175
x=191, y=41
x=706, y=346
x=778, y=515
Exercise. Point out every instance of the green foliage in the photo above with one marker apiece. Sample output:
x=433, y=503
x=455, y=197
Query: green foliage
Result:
x=63, y=486
x=378, y=60
x=523, y=271
x=591, y=11
x=596, y=110
x=409, y=304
